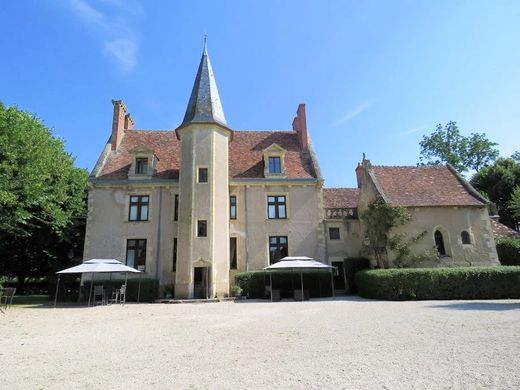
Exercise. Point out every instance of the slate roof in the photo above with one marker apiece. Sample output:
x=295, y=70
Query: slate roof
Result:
x=501, y=230
x=245, y=154
x=340, y=198
x=424, y=186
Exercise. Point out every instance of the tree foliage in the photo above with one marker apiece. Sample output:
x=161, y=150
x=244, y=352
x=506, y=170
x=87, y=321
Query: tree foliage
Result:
x=514, y=203
x=447, y=145
x=42, y=197
x=499, y=181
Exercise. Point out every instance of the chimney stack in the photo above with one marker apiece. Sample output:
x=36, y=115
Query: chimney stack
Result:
x=121, y=121
x=299, y=125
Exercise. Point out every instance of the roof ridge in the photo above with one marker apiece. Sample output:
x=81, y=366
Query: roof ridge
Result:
x=410, y=166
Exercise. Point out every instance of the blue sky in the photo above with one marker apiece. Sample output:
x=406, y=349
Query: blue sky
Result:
x=375, y=75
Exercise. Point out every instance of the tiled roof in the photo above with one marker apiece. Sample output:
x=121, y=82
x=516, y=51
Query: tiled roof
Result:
x=340, y=198
x=501, y=230
x=423, y=186
x=245, y=154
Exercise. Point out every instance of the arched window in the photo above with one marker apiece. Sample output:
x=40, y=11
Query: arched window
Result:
x=439, y=243
x=466, y=240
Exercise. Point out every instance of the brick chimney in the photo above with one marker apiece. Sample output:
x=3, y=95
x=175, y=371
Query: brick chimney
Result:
x=299, y=125
x=121, y=121
x=360, y=170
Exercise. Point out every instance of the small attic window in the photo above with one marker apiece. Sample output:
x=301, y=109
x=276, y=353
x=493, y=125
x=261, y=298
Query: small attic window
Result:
x=141, y=166
x=275, y=166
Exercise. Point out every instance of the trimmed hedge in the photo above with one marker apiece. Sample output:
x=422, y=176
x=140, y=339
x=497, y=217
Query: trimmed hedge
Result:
x=496, y=282
x=508, y=250
x=353, y=265
x=254, y=283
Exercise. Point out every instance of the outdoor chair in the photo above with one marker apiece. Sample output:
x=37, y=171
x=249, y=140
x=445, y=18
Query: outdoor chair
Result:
x=6, y=297
x=122, y=295
x=99, y=292
x=114, y=296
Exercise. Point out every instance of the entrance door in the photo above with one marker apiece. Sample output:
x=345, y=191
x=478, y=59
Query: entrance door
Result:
x=200, y=282
x=339, y=276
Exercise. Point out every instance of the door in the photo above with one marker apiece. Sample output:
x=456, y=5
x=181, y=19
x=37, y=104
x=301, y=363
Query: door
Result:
x=339, y=275
x=200, y=282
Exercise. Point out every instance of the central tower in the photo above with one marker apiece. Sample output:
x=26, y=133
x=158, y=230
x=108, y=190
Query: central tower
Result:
x=203, y=225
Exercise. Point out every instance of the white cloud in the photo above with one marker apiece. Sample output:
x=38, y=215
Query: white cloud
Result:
x=118, y=38
x=414, y=130
x=123, y=51
x=359, y=109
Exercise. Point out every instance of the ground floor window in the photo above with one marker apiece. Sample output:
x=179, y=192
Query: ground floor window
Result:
x=278, y=248
x=233, y=253
x=333, y=233
x=439, y=243
x=136, y=253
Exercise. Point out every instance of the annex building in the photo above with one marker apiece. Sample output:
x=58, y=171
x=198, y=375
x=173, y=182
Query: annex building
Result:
x=194, y=205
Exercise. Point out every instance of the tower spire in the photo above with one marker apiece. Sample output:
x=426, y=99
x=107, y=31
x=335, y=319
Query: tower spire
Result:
x=204, y=105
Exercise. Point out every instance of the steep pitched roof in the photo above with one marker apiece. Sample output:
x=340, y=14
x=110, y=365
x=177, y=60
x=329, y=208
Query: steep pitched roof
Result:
x=339, y=198
x=419, y=186
x=204, y=105
x=501, y=230
x=245, y=154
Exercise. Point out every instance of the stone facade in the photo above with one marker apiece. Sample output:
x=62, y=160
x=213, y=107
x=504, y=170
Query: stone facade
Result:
x=194, y=206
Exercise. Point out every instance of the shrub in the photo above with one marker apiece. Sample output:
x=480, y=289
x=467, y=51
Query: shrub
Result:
x=440, y=283
x=353, y=265
x=508, y=250
x=253, y=284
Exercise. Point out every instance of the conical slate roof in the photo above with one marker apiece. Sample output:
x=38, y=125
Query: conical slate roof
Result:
x=204, y=105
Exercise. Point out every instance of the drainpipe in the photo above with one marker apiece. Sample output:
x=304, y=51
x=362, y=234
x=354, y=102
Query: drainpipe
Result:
x=245, y=229
x=158, y=255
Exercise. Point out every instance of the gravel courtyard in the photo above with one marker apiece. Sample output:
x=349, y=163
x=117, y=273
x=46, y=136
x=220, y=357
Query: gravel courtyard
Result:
x=347, y=343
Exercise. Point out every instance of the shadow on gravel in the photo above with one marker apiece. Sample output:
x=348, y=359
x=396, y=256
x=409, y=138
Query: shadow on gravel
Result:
x=489, y=306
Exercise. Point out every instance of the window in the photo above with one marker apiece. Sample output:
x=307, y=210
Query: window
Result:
x=174, y=268
x=278, y=248
x=333, y=233
x=233, y=207
x=439, y=243
x=138, y=208
x=141, y=166
x=203, y=175
x=275, y=165
x=233, y=253
x=176, y=208
x=276, y=207
x=202, y=228
x=466, y=240
x=136, y=253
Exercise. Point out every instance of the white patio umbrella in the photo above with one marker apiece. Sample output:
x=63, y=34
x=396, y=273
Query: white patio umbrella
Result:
x=298, y=263
x=98, y=266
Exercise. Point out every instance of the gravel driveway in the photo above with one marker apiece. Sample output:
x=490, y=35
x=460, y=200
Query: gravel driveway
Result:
x=347, y=343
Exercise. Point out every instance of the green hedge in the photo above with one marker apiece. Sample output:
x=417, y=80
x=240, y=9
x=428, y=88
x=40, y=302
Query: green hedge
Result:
x=352, y=266
x=254, y=283
x=440, y=283
x=508, y=250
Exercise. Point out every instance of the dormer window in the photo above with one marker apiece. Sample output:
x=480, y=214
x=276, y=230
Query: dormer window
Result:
x=141, y=166
x=144, y=163
x=275, y=166
x=274, y=161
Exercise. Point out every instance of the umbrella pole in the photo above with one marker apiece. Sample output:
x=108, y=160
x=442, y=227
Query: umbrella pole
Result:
x=301, y=276
x=126, y=287
x=332, y=282
x=91, y=282
x=56, y=294
x=271, y=283
x=139, y=289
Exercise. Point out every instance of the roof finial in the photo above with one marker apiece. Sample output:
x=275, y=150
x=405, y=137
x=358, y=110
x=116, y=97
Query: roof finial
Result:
x=205, y=42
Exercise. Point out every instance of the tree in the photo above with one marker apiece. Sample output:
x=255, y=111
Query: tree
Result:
x=499, y=181
x=514, y=203
x=447, y=145
x=42, y=197
x=379, y=219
